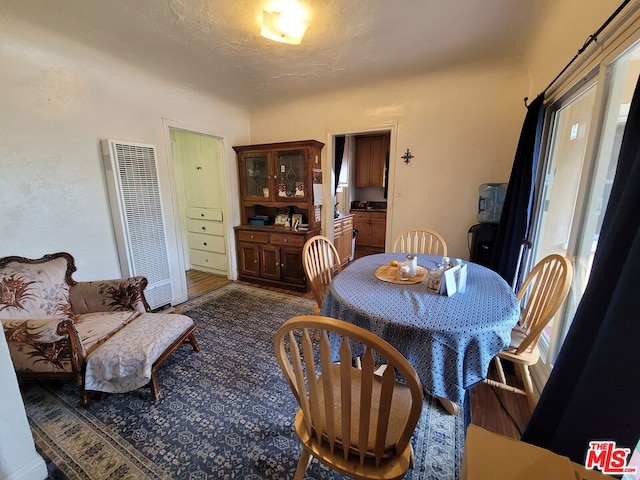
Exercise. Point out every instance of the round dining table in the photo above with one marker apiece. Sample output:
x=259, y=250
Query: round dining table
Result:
x=449, y=340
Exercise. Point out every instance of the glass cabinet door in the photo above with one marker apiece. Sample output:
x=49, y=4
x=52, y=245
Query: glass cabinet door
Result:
x=290, y=176
x=256, y=176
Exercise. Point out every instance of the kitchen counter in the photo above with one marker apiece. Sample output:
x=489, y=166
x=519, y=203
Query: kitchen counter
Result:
x=368, y=206
x=383, y=210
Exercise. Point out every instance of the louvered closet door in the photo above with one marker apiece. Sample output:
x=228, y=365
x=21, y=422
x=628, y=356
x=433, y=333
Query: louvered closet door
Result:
x=136, y=208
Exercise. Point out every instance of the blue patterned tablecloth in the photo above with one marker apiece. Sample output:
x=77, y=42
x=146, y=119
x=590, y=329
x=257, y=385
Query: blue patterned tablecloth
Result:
x=450, y=341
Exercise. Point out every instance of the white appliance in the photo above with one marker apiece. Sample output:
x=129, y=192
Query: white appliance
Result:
x=136, y=210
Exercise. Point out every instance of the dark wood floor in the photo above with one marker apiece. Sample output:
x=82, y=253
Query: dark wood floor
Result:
x=493, y=409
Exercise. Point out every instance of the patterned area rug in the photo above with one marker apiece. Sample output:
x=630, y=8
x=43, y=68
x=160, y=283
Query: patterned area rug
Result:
x=225, y=412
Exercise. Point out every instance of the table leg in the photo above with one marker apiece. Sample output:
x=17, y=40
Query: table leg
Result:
x=449, y=406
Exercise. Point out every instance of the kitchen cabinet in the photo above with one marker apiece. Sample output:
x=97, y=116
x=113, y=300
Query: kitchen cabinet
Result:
x=371, y=228
x=276, y=178
x=343, y=237
x=371, y=160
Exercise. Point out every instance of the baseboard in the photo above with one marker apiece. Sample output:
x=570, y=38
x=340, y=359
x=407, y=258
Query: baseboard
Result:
x=36, y=469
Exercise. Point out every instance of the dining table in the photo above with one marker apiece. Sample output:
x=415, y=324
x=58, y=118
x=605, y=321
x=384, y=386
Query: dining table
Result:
x=449, y=340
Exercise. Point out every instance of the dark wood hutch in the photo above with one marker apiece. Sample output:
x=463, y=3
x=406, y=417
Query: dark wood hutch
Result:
x=276, y=184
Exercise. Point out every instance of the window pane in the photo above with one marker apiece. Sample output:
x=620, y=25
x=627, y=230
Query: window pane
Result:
x=566, y=226
x=562, y=180
x=564, y=170
x=622, y=77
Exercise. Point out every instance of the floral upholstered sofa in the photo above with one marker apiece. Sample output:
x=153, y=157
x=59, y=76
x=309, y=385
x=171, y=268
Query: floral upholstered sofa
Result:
x=100, y=333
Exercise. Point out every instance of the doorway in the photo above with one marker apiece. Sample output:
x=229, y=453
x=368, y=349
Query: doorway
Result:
x=362, y=174
x=201, y=200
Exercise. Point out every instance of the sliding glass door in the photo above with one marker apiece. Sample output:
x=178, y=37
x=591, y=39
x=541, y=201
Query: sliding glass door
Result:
x=583, y=141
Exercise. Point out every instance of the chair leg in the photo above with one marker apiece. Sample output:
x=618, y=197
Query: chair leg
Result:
x=194, y=343
x=500, y=370
x=449, y=406
x=155, y=388
x=528, y=385
x=303, y=464
x=412, y=458
x=84, y=398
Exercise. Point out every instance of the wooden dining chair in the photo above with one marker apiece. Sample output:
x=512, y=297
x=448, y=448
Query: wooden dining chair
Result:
x=541, y=295
x=420, y=240
x=321, y=262
x=352, y=420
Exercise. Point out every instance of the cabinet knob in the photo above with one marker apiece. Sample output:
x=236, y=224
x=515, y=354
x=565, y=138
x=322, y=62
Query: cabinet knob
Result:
x=255, y=261
x=198, y=168
x=286, y=239
x=204, y=243
x=282, y=265
x=204, y=228
x=252, y=236
x=202, y=214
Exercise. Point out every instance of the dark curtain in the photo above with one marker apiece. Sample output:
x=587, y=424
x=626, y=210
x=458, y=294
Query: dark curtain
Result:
x=593, y=392
x=516, y=211
x=337, y=157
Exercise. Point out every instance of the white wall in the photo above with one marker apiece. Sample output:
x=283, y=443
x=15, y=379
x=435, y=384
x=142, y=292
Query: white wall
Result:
x=462, y=126
x=560, y=34
x=18, y=457
x=58, y=100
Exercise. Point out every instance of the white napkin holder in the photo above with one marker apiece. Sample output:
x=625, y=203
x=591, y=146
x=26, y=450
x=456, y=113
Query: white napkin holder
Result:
x=454, y=280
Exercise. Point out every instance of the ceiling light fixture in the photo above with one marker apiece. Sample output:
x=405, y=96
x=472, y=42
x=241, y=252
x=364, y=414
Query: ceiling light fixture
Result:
x=285, y=22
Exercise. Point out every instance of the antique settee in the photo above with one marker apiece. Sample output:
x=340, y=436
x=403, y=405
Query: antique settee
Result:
x=102, y=333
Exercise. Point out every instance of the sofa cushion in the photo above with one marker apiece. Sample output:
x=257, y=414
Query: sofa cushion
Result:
x=95, y=328
x=108, y=295
x=125, y=362
x=37, y=290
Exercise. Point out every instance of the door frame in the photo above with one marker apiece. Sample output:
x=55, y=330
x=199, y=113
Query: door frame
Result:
x=180, y=269
x=328, y=166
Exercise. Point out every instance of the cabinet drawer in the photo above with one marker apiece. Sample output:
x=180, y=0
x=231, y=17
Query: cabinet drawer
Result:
x=205, y=226
x=337, y=227
x=293, y=240
x=253, y=237
x=204, y=213
x=361, y=216
x=347, y=223
x=378, y=216
x=200, y=258
x=210, y=243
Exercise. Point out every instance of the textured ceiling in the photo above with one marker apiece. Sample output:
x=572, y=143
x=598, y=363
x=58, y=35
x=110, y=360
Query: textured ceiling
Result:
x=215, y=46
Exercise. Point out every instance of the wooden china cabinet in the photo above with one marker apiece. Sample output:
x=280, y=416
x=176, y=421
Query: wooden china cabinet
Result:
x=276, y=183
